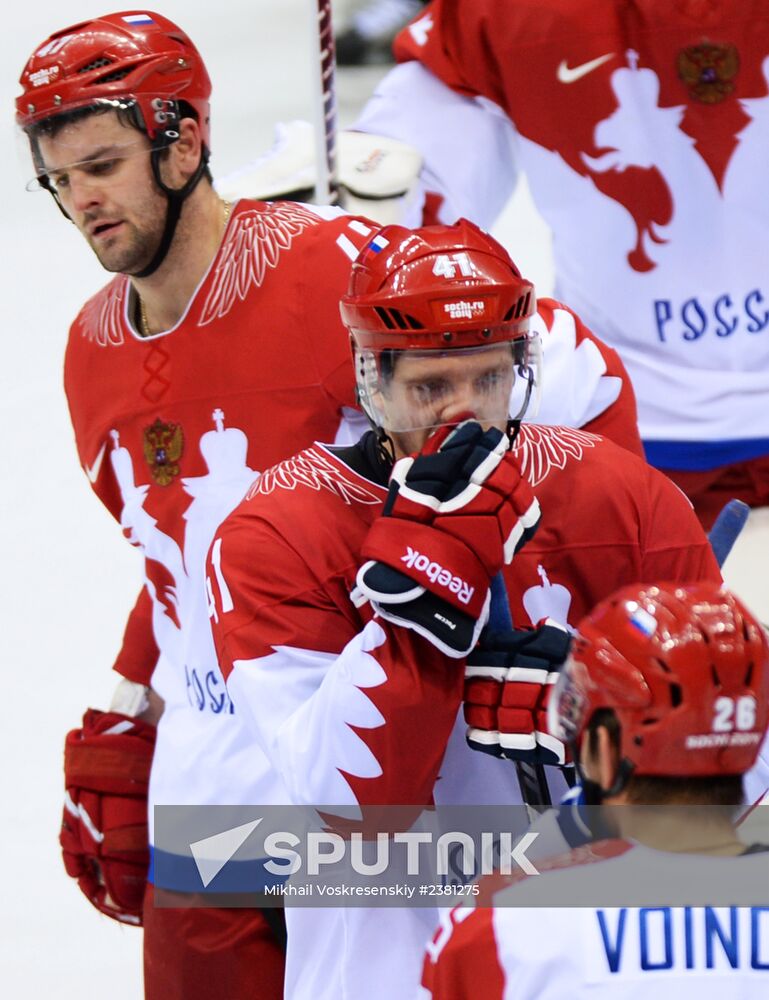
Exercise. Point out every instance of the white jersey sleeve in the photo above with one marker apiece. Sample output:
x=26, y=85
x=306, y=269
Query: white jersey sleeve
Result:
x=470, y=163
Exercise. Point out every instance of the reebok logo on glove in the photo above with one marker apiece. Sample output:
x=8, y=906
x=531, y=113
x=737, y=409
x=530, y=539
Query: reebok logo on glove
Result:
x=435, y=573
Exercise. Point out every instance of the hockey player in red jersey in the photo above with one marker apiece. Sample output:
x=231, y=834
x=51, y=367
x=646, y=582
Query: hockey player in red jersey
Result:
x=350, y=584
x=214, y=351
x=665, y=700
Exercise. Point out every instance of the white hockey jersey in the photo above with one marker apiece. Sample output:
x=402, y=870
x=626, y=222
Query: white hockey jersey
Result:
x=643, y=130
x=508, y=950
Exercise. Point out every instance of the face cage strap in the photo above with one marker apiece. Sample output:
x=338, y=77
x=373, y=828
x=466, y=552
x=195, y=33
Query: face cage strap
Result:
x=522, y=411
x=175, y=201
x=593, y=792
x=385, y=444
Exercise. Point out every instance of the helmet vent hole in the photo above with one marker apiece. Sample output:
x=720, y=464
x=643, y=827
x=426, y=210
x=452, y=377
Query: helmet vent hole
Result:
x=119, y=74
x=520, y=308
x=394, y=319
x=96, y=64
x=714, y=675
x=749, y=674
x=676, y=696
x=662, y=665
x=399, y=319
x=384, y=316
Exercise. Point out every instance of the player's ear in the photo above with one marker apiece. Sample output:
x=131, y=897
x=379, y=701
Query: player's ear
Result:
x=185, y=153
x=607, y=757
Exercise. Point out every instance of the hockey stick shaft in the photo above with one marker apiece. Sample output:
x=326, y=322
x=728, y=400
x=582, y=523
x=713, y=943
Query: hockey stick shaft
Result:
x=324, y=101
x=726, y=529
x=531, y=777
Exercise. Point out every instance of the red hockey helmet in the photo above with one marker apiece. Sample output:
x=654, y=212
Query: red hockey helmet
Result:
x=685, y=669
x=437, y=289
x=129, y=59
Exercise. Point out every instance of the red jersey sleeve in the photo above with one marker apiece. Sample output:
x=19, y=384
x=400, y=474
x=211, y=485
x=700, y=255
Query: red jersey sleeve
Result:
x=461, y=961
x=139, y=651
x=350, y=710
x=458, y=42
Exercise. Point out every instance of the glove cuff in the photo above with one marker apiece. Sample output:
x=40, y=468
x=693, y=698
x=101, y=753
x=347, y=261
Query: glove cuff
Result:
x=433, y=559
x=110, y=753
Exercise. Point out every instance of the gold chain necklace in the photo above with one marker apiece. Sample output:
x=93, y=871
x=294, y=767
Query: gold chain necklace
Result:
x=144, y=326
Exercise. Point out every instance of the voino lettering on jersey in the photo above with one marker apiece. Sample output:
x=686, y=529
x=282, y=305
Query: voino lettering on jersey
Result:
x=437, y=574
x=691, y=319
x=654, y=938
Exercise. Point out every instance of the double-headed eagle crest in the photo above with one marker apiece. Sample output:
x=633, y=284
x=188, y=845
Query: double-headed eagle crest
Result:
x=163, y=444
x=708, y=70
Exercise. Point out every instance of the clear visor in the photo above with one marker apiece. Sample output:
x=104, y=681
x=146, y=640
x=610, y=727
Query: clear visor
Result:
x=72, y=141
x=404, y=391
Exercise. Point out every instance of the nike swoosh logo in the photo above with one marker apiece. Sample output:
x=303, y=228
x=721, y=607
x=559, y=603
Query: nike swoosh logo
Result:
x=566, y=75
x=92, y=471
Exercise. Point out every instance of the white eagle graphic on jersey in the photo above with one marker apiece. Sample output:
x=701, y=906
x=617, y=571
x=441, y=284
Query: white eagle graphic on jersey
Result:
x=253, y=245
x=541, y=449
x=102, y=315
x=313, y=470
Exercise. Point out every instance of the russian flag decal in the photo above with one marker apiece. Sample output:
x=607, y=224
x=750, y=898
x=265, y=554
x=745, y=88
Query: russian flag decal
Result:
x=138, y=19
x=378, y=244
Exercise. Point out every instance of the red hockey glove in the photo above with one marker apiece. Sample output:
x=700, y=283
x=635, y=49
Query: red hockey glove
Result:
x=104, y=837
x=509, y=677
x=455, y=514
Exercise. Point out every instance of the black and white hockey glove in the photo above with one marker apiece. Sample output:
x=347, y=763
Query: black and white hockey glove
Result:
x=509, y=677
x=455, y=514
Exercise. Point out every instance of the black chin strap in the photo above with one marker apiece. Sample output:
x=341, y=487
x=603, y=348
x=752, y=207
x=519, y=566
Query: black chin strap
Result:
x=175, y=202
x=513, y=430
x=593, y=793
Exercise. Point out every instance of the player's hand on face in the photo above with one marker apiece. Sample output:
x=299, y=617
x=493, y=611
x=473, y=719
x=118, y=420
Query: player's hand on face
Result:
x=509, y=678
x=456, y=513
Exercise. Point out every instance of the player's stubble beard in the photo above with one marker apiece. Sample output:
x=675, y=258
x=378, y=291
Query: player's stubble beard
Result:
x=134, y=247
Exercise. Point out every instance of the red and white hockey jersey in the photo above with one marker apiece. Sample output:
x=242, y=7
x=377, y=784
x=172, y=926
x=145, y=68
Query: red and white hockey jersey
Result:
x=350, y=709
x=172, y=429
x=507, y=949
x=643, y=130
